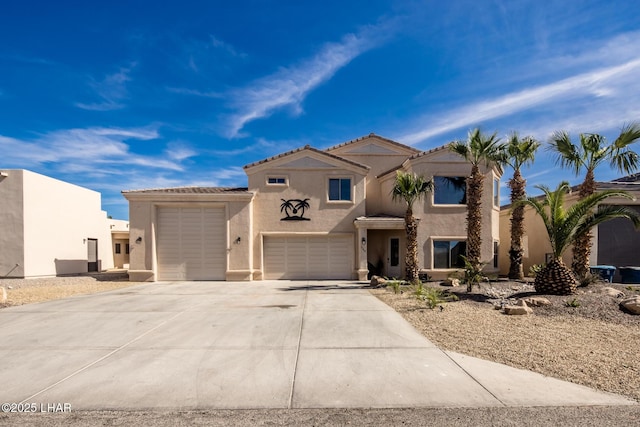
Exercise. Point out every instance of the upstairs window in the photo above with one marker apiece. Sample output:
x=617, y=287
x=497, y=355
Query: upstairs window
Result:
x=340, y=189
x=276, y=180
x=449, y=190
x=118, y=248
x=496, y=192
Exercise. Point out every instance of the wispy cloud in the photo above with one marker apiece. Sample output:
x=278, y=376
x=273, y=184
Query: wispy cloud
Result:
x=603, y=82
x=84, y=150
x=228, y=48
x=111, y=90
x=195, y=92
x=288, y=87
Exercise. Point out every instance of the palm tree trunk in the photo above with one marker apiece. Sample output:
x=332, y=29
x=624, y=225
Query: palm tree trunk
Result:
x=411, y=258
x=516, y=252
x=582, y=244
x=555, y=279
x=474, y=216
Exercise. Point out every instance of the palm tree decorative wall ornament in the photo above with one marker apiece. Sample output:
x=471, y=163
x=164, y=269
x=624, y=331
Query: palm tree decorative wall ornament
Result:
x=294, y=209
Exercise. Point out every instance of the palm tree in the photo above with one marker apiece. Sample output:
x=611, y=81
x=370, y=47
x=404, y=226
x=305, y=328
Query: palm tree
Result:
x=591, y=152
x=518, y=152
x=410, y=188
x=477, y=149
x=564, y=226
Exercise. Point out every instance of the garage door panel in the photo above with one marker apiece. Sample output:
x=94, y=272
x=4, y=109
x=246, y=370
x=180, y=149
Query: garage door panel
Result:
x=191, y=244
x=308, y=257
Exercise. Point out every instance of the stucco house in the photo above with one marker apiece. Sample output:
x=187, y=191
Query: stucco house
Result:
x=614, y=242
x=50, y=227
x=310, y=214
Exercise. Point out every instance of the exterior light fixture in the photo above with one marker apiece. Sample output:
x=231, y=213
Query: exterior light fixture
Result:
x=238, y=240
x=139, y=240
x=364, y=241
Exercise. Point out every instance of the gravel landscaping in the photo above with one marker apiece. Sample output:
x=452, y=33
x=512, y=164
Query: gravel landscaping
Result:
x=26, y=291
x=584, y=338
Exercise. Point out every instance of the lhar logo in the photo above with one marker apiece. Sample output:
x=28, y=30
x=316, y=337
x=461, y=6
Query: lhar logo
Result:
x=294, y=209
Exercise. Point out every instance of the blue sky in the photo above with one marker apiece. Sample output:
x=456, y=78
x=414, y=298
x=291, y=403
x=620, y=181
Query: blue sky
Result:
x=141, y=94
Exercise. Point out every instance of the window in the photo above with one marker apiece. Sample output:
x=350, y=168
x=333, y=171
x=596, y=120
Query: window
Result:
x=449, y=190
x=496, y=192
x=340, y=189
x=126, y=248
x=276, y=180
x=446, y=253
x=118, y=248
x=496, y=246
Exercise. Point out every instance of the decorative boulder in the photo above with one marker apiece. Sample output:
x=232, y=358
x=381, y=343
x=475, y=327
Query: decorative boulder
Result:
x=451, y=282
x=521, y=308
x=377, y=281
x=536, y=301
x=613, y=292
x=632, y=304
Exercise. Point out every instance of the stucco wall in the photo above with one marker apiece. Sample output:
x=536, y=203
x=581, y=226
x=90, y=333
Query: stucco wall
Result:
x=59, y=217
x=324, y=216
x=448, y=222
x=143, y=226
x=11, y=225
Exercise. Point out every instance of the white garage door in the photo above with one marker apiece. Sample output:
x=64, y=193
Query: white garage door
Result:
x=191, y=244
x=308, y=257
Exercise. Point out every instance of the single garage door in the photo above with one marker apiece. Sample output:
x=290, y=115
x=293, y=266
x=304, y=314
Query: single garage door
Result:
x=308, y=257
x=191, y=244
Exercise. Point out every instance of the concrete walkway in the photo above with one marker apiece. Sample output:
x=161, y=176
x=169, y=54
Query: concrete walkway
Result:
x=274, y=344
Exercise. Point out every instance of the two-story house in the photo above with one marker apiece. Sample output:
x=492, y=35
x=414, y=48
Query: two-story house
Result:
x=311, y=214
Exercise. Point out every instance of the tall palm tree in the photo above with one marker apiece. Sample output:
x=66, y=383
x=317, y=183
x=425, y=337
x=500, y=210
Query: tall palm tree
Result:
x=409, y=187
x=477, y=149
x=518, y=152
x=564, y=226
x=587, y=155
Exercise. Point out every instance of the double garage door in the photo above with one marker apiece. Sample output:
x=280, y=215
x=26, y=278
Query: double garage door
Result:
x=308, y=257
x=191, y=243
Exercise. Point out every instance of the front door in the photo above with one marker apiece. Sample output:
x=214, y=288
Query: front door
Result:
x=393, y=259
x=92, y=254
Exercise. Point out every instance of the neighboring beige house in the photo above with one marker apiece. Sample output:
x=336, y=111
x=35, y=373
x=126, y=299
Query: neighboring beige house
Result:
x=120, y=240
x=50, y=227
x=310, y=214
x=614, y=243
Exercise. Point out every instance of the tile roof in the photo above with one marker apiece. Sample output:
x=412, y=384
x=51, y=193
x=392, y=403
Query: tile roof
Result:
x=306, y=147
x=390, y=141
x=629, y=178
x=191, y=190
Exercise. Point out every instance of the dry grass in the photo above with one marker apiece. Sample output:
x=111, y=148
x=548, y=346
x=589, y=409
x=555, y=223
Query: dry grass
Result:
x=28, y=291
x=559, y=341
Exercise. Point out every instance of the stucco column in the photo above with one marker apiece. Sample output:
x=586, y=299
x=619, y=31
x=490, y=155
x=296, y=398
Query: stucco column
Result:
x=361, y=257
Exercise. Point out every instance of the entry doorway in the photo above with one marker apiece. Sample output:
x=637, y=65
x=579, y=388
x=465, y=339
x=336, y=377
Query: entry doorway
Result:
x=92, y=255
x=393, y=258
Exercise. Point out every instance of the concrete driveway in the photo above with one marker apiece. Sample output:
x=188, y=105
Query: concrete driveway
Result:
x=272, y=344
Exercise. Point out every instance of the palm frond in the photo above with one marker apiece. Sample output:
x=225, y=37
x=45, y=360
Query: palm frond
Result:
x=520, y=152
x=629, y=134
x=568, y=155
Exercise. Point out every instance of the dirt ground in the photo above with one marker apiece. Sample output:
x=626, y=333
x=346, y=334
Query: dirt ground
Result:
x=28, y=291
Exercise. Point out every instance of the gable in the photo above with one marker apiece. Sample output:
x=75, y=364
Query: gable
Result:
x=306, y=158
x=372, y=144
x=371, y=149
x=306, y=162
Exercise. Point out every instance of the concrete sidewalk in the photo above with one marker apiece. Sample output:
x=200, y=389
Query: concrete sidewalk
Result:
x=274, y=344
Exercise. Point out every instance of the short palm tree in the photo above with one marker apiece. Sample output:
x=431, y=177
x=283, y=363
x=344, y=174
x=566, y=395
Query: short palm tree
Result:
x=589, y=153
x=410, y=188
x=477, y=149
x=518, y=152
x=565, y=225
